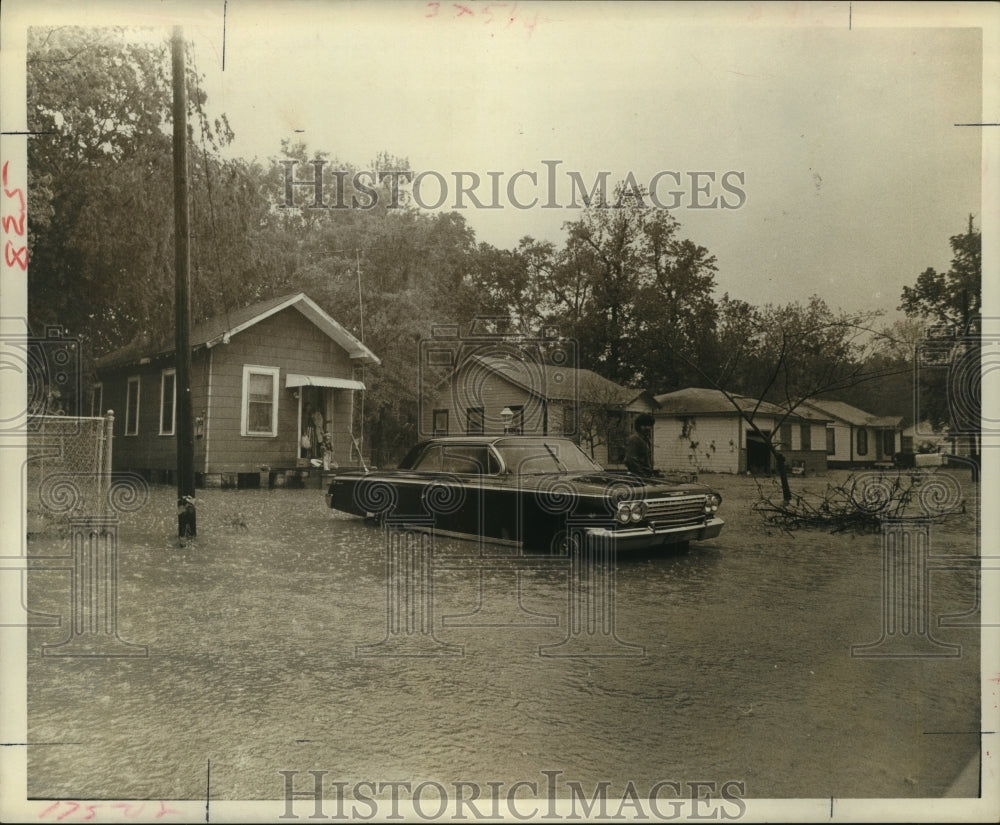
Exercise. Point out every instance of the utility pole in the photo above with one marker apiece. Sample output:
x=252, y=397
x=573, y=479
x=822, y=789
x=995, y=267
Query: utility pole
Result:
x=187, y=525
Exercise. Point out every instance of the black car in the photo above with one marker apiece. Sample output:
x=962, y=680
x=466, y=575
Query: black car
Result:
x=540, y=492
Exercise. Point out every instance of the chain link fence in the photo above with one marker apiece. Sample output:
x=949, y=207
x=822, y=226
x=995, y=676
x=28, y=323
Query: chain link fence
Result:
x=68, y=470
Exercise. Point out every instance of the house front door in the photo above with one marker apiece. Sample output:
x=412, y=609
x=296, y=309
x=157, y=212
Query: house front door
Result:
x=758, y=454
x=315, y=415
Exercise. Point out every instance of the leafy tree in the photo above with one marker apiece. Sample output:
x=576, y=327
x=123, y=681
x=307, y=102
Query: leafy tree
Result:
x=889, y=390
x=387, y=272
x=99, y=173
x=736, y=332
x=648, y=293
x=948, y=365
x=953, y=297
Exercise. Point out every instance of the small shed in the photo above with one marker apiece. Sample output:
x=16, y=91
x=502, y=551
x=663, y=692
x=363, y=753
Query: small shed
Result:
x=538, y=399
x=272, y=387
x=700, y=430
x=855, y=438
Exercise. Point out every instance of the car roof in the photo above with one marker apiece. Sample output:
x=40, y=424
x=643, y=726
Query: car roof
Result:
x=488, y=439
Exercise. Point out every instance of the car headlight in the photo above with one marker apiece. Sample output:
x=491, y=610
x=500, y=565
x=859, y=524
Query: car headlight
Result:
x=630, y=511
x=711, y=503
x=638, y=511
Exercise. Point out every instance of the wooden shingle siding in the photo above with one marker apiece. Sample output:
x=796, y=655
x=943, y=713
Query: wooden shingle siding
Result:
x=288, y=341
x=148, y=450
x=812, y=461
x=340, y=427
x=843, y=448
x=721, y=443
x=492, y=393
x=556, y=411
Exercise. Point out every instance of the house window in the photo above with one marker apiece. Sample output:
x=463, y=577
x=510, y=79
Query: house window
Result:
x=132, y=406
x=475, y=420
x=168, y=401
x=862, y=441
x=806, y=436
x=888, y=442
x=786, y=436
x=260, y=401
x=440, y=423
x=97, y=400
x=831, y=441
x=517, y=421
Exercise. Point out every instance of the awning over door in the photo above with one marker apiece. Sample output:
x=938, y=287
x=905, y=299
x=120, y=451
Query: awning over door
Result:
x=295, y=380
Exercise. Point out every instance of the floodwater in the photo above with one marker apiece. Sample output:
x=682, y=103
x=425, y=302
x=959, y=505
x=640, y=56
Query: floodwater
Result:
x=730, y=662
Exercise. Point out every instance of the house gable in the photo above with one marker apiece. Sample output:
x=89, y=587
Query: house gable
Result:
x=222, y=328
x=551, y=396
x=286, y=342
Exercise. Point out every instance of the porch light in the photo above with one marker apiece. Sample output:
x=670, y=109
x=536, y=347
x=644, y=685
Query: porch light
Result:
x=506, y=414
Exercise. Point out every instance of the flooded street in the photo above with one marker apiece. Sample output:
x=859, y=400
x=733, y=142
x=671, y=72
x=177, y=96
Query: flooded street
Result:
x=730, y=662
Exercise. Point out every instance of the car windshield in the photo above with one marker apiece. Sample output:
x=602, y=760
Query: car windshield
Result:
x=544, y=456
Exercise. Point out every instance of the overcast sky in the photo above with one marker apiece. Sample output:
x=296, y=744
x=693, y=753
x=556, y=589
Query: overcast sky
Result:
x=838, y=126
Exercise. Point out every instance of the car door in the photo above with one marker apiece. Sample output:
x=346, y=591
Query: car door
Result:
x=461, y=503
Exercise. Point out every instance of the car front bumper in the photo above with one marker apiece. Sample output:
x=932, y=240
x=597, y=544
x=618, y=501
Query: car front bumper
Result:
x=640, y=538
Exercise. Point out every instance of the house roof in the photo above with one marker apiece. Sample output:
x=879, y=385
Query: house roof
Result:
x=852, y=415
x=560, y=383
x=219, y=329
x=702, y=401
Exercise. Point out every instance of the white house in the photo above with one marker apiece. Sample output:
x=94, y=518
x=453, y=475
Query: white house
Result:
x=857, y=438
x=700, y=430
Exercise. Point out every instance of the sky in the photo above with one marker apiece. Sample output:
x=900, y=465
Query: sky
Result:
x=832, y=125
x=842, y=138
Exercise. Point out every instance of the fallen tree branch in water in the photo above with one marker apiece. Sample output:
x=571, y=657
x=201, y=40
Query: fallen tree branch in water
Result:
x=862, y=502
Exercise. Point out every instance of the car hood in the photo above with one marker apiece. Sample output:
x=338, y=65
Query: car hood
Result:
x=646, y=487
x=587, y=483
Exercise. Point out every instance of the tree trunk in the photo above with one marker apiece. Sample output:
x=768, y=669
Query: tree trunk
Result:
x=786, y=491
